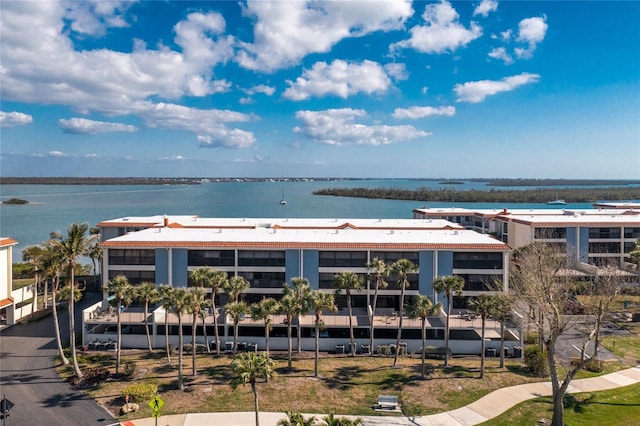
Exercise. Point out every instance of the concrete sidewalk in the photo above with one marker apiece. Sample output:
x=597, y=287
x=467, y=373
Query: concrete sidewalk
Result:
x=487, y=407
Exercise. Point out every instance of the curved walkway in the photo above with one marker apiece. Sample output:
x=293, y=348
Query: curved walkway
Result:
x=487, y=407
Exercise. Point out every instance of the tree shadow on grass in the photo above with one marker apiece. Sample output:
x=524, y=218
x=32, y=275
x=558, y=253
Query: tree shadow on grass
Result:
x=219, y=374
x=344, y=377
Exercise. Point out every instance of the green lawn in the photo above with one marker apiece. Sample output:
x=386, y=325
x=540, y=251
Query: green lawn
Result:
x=616, y=407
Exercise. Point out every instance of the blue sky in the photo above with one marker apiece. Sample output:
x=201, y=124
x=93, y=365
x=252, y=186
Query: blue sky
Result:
x=364, y=88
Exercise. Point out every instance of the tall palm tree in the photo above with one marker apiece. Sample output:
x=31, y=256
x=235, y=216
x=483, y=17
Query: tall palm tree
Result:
x=236, y=286
x=422, y=307
x=166, y=298
x=301, y=290
x=71, y=248
x=381, y=271
x=290, y=307
x=320, y=302
x=348, y=282
x=52, y=265
x=263, y=311
x=180, y=304
x=237, y=311
x=123, y=294
x=483, y=305
x=401, y=269
x=451, y=286
x=147, y=293
x=216, y=280
x=247, y=368
x=502, y=311
x=95, y=254
x=34, y=256
x=196, y=304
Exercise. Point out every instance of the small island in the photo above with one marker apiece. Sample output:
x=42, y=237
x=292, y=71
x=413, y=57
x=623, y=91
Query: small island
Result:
x=15, y=201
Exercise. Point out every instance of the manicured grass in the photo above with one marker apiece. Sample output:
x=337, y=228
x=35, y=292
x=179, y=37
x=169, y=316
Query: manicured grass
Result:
x=346, y=385
x=615, y=407
x=22, y=282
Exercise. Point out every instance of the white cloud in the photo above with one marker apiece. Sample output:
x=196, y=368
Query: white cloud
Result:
x=12, y=119
x=477, y=91
x=397, y=71
x=338, y=127
x=531, y=31
x=485, y=7
x=208, y=125
x=45, y=68
x=80, y=126
x=287, y=31
x=424, y=90
x=416, y=112
x=441, y=33
x=57, y=154
x=500, y=53
x=340, y=78
x=173, y=158
x=261, y=88
x=94, y=17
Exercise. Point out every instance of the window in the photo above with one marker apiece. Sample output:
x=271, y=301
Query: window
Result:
x=477, y=260
x=132, y=257
x=481, y=282
x=261, y=258
x=604, y=233
x=596, y=248
x=341, y=259
x=392, y=256
x=550, y=233
x=135, y=277
x=264, y=279
x=325, y=280
x=632, y=233
x=211, y=258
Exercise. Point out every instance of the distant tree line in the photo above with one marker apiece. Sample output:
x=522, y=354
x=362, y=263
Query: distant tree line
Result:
x=97, y=181
x=538, y=195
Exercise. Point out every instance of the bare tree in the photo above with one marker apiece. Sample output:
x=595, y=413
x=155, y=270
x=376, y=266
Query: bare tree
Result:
x=539, y=278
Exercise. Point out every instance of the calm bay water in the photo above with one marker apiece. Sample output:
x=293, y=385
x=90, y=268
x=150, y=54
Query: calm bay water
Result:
x=54, y=207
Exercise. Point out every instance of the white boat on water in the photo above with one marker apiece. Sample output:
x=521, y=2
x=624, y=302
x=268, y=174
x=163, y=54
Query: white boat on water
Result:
x=557, y=201
x=282, y=200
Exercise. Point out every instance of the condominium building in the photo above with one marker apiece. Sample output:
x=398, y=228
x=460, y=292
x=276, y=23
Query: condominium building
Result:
x=600, y=237
x=270, y=252
x=6, y=280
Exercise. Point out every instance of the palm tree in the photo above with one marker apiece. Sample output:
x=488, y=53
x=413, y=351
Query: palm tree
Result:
x=123, y=293
x=165, y=293
x=422, y=307
x=332, y=420
x=235, y=286
x=247, y=368
x=95, y=254
x=71, y=248
x=450, y=285
x=501, y=311
x=52, y=264
x=147, y=293
x=401, y=269
x=381, y=270
x=294, y=418
x=180, y=305
x=34, y=256
x=320, y=302
x=290, y=307
x=237, y=311
x=301, y=290
x=483, y=305
x=347, y=282
x=263, y=311
x=196, y=303
x=216, y=280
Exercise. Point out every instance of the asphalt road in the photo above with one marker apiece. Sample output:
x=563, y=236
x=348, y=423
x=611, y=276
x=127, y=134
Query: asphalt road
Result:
x=29, y=380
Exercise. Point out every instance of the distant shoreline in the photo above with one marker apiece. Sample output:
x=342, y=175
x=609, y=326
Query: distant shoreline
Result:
x=506, y=182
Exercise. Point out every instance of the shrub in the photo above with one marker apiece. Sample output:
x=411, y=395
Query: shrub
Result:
x=96, y=375
x=536, y=361
x=130, y=369
x=595, y=365
x=531, y=338
x=140, y=392
x=384, y=350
